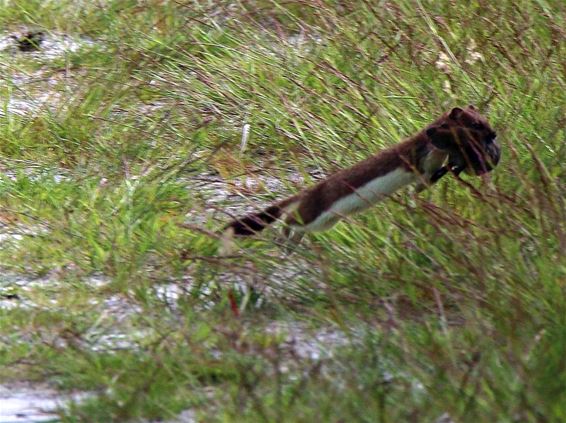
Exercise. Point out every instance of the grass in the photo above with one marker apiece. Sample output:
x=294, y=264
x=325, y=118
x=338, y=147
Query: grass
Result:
x=446, y=304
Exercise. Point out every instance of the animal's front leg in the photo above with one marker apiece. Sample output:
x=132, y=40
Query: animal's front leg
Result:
x=422, y=185
x=456, y=170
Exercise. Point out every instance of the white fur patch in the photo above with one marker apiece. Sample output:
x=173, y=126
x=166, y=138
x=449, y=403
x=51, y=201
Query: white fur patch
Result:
x=364, y=197
x=433, y=161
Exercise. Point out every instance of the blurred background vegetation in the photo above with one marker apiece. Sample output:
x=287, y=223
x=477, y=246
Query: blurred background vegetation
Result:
x=121, y=158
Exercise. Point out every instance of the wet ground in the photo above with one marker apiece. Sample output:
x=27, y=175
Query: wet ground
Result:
x=22, y=402
x=46, y=91
x=116, y=329
x=42, y=90
x=28, y=403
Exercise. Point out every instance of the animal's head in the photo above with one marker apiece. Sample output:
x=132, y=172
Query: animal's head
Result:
x=467, y=138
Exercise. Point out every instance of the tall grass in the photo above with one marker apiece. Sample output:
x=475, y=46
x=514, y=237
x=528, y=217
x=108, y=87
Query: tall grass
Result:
x=449, y=304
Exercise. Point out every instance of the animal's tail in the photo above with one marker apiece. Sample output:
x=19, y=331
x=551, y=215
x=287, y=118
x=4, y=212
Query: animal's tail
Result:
x=256, y=222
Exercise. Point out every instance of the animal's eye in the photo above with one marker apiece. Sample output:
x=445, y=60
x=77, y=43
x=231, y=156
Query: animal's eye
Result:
x=477, y=125
x=444, y=126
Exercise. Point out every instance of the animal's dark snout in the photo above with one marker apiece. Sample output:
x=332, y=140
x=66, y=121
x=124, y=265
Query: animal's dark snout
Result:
x=494, y=152
x=479, y=157
x=490, y=158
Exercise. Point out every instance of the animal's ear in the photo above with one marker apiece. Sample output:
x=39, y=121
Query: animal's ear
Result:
x=455, y=113
x=438, y=138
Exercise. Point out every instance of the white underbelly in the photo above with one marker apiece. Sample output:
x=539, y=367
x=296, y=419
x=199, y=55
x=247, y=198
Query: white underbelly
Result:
x=364, y=197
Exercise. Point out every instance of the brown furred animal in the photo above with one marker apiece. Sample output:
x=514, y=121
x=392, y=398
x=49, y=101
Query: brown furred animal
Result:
x=460, y=140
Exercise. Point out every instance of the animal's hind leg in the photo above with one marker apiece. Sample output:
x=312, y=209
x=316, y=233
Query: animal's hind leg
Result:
x=227, y=244
x=291, y=238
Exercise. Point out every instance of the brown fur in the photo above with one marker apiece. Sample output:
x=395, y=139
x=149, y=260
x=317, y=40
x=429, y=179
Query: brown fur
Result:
x=321, y=196
x=462, y=136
